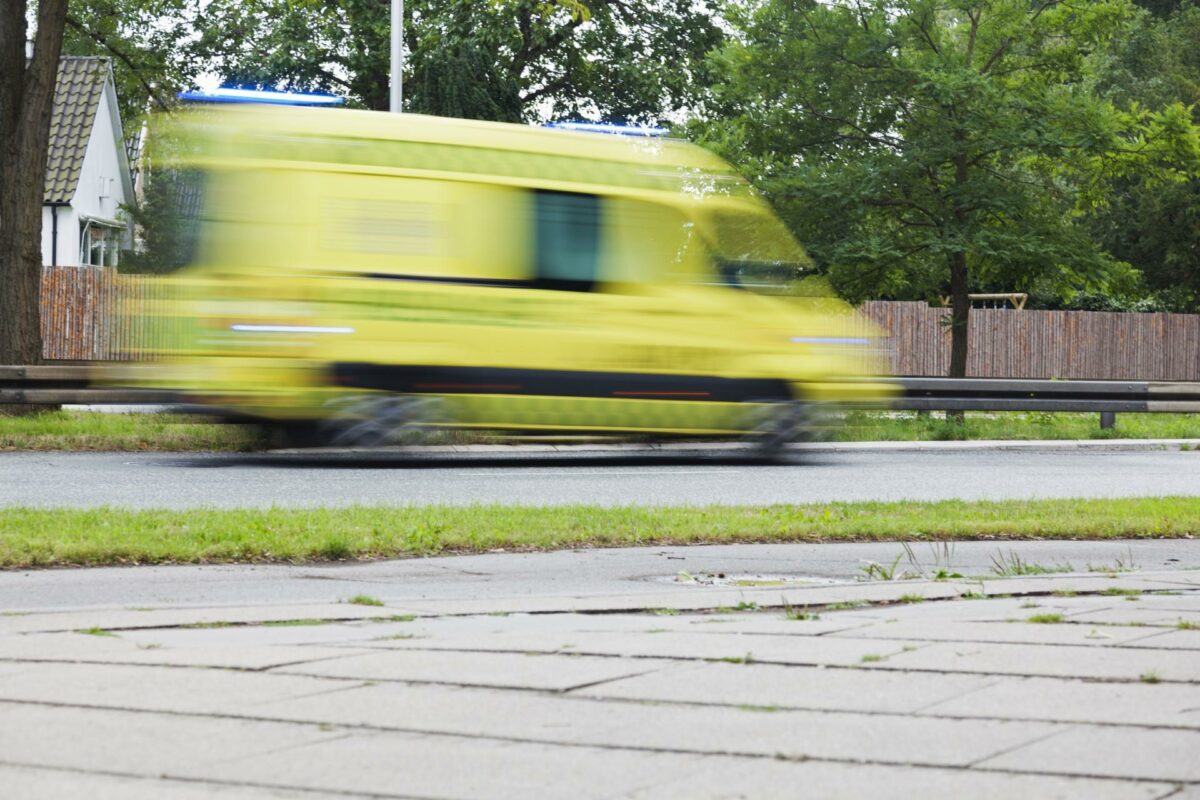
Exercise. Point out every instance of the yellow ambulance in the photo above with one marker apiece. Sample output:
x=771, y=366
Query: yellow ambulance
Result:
x=360, y=278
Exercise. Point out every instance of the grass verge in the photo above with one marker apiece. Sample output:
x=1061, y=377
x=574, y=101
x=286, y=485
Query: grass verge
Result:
x=874, y=426
x=96, y=430
x=31, y=537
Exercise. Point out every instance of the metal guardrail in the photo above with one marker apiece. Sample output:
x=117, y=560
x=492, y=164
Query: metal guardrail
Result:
x=999, y=394
x=74, y=384
x=67, y=385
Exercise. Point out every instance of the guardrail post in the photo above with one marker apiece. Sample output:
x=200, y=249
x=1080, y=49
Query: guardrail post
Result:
x=1107, y=419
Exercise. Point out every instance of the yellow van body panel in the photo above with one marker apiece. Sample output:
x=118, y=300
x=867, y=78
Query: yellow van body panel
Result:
x=525, y=278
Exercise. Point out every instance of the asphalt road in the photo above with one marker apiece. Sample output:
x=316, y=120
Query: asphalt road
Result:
x=156, y=480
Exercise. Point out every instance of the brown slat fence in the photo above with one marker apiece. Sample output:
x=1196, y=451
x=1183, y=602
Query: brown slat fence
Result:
x=82, y=319
x=1004, y=343
x=80, y=323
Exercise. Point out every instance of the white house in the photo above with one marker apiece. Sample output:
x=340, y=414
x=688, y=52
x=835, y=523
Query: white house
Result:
x=87, y=169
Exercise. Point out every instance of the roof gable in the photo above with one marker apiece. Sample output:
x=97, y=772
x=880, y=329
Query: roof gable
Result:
x=81, y=82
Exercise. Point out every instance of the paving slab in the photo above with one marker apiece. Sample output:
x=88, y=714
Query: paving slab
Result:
x=1112, y=752
x=787, y=781
x=1175, y=705
x=126, y=618
x=748, y=730
x=116, y=649
x=1135, y=614
x=700, y=598
x=39, y=783
x=801, y=651
x=793, y=687
x=998, y=632
x=1100, y=663
x=430, y=766
x=1084, y=582
x=137, y=743
x=1169, y=640
x=167, y=689
x=514, y=671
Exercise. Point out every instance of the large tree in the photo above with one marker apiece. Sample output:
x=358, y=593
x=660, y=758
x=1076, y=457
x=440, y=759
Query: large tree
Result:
x=928, y=147
x=502, y=59
x=26, y=102
x=1151, y=223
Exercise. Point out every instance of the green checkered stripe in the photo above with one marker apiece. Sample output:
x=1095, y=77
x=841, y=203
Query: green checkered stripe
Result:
x=587, y=412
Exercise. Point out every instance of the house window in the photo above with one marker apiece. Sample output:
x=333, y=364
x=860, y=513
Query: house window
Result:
x=99, y=245
x=567, y=240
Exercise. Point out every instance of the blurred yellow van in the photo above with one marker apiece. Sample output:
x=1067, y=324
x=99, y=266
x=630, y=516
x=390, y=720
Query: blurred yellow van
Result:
x=360, y=278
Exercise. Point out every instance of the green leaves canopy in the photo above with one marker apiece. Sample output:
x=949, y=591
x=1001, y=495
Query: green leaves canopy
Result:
x=898, y=136
x=503, y=59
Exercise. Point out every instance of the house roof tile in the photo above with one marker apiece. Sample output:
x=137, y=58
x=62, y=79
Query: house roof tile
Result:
x=76, y=98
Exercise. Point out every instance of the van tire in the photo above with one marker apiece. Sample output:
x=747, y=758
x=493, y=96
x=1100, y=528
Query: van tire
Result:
x=378, y=420
x=777, y=425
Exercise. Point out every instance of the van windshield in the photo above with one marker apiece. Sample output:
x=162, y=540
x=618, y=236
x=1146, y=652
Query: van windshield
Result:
x=754, y=250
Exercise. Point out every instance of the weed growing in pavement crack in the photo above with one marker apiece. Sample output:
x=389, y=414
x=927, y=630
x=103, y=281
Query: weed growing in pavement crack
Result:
x=871, y=658
x=94, y=631
x=1117, y=591
x=878, y=572
x=1150, y=677
x=1045, y=619
x=1187, y=625
x=665, y=612
x=1012, y=565
x=364, y=600
x=746, y=659
x=911, y=598
x=846, y=605
x=801, y=614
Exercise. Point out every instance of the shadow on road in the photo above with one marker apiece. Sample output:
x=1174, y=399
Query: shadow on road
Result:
x=399, y=460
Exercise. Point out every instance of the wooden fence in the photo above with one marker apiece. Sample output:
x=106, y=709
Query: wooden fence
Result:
x=1004, y=343
x=82, y=319
x=80, y=322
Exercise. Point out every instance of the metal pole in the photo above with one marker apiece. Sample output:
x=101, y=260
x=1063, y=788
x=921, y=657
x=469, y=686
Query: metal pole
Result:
x=397, y=56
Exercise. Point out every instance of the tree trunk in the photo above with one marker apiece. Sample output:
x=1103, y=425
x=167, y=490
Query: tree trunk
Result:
x=960, y=315
x=26, y=100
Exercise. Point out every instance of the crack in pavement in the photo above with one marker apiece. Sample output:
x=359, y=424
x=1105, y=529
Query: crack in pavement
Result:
x=584, y=745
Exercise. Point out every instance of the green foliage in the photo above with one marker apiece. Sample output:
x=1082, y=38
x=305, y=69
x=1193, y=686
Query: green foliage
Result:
x=1148, y=221
x=148, y=43
x=906, y=141
x=502, y=60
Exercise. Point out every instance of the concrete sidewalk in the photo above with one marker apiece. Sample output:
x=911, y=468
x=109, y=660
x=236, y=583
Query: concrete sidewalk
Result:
x=1066, y=686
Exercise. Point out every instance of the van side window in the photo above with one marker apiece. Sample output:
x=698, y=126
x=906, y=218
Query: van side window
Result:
x=567, y=240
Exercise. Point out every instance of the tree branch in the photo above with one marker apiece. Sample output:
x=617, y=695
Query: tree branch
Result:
x=120, y=56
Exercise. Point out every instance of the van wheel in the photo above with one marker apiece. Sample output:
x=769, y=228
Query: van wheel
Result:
x=776, y=425
x=377, y=420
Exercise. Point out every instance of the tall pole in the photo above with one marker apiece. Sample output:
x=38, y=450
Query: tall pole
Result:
x=397, y=56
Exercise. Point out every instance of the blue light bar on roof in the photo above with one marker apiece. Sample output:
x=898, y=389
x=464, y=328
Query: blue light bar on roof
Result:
x=609, y=128
x=230, y=95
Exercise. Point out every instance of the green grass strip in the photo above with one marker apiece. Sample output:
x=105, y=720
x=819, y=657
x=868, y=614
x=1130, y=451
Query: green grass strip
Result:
x=50, y=537
x=74, y=430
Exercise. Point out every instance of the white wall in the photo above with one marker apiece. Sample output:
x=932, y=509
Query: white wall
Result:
x=68, y=237
x=102, y=185
x=102, y=160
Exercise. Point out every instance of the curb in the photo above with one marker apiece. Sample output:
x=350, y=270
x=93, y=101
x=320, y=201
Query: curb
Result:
x=699, y=448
